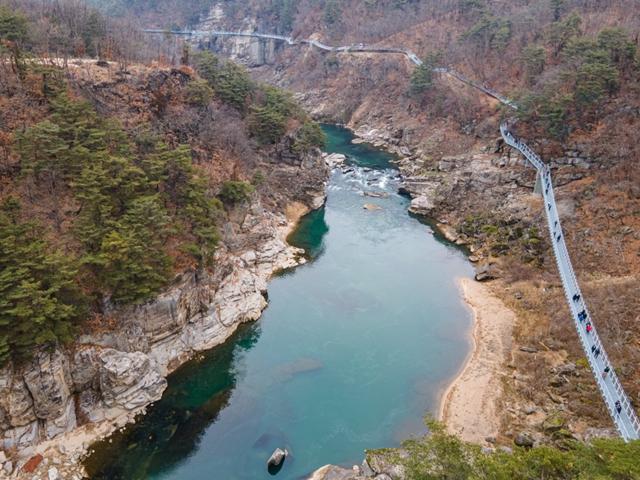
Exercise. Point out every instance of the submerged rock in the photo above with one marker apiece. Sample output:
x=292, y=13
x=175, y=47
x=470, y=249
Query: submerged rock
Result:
x=276, y=459
x=371, y=207
x=376, y=194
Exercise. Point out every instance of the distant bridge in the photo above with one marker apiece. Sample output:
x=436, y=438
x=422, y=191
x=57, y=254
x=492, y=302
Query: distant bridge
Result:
x=358, y=48
x=616, y=400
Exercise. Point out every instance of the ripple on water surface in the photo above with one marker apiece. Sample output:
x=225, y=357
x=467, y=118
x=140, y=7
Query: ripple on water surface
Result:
x=353, y=349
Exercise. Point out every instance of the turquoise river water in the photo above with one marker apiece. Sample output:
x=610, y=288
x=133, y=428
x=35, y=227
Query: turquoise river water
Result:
x=353, y=350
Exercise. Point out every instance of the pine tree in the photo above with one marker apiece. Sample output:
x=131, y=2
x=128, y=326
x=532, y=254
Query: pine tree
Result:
x=422, y=76
x=534, y=58
x=14, y=31
x=309, y=136
x=39, y=300
x=132, y=263
x=557, y=8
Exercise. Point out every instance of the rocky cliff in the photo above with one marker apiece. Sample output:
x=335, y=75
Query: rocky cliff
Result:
x=108, y=377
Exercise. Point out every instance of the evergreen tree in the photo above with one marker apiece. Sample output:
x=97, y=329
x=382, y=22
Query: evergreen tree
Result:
x=562, y=32
x=620, y=48
x=268, y=120
x=489, y=32
x=132, y=263
x=309, y=136
x=422, y=76
x=332, y=11
x=235, y=192
x=39, y=300
x=534, y=58
x=557, y=8
x=13, y=34
x=229, y=81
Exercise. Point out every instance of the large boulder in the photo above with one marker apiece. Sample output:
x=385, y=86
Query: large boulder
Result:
x=335, y=160
x=523, y=440
x=277, y=457
x=49, y=381
x=422, y=205
x=128, y=380
x=486, y=271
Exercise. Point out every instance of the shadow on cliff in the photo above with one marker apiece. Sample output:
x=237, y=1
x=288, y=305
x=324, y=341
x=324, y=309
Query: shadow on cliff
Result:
x=173, y=428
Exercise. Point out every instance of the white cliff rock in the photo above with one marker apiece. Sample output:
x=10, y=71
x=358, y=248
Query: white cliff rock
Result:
x=422, y=205
x=49, y=381
x=334, y=159
x=128, y=380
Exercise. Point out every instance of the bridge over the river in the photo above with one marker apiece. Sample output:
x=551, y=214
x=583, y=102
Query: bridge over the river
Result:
x=616, y=400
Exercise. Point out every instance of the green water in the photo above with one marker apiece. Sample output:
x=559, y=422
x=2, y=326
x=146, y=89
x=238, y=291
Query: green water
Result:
x=354, y=348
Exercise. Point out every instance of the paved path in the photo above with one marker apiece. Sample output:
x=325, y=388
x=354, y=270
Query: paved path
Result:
x=357, y=48
x=613, y=394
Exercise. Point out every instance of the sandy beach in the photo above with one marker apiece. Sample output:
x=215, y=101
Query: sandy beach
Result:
x=469, y=407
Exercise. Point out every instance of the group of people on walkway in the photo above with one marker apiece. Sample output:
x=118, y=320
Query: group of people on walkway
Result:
x=582, y=315
x=595, y=350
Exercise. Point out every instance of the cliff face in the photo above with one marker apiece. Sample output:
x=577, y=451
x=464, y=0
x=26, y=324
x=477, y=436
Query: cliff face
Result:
x=69, y=396
x=105, y=376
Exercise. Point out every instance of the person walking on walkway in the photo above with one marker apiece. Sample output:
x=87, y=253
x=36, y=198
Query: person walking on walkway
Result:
x=596, y=353
x=605, y=372
x=618, y=406
x=593, y=348
x=589, y=327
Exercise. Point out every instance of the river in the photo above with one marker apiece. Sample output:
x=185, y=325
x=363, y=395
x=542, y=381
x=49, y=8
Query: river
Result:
x=353, y=349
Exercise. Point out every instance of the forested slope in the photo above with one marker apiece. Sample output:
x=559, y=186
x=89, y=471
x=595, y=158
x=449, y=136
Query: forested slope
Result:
x=114, y=180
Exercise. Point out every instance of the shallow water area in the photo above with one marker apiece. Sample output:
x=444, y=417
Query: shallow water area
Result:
x=354, y=348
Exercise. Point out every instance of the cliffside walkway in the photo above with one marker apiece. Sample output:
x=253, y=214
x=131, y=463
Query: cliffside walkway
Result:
x=615, y=398
x=358, y=48
x=626, y=420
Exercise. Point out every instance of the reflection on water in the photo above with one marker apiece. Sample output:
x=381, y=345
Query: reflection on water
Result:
x=351, y=352
x=172, y=428
x=310, y=233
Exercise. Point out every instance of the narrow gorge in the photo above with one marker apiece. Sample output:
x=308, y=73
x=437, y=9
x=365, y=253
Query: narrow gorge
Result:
x=218, y=245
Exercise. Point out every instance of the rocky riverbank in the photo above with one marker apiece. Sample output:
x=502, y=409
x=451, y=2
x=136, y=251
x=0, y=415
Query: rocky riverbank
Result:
x=55, y=406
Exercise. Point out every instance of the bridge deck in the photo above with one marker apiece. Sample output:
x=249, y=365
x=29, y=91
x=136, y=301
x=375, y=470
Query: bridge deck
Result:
x=626, y=421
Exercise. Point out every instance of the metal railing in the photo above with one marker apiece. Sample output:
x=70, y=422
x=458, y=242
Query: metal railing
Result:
x=615, y=398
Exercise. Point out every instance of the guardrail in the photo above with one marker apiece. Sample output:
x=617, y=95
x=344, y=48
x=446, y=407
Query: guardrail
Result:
x=616, y=400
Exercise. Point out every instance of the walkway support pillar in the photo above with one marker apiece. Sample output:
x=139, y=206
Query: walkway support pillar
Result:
x=538, y=187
